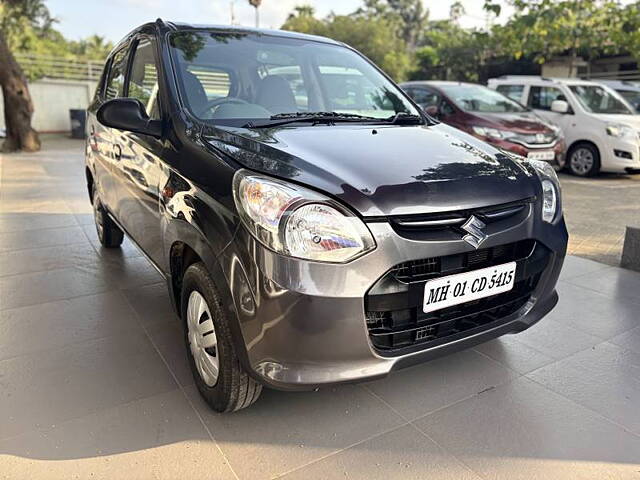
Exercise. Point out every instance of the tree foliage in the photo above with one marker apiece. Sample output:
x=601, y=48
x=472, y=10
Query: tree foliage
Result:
x=374, y=36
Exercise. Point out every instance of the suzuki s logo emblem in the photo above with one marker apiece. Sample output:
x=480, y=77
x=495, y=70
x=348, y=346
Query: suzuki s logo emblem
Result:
x=475, y=234
x=539, y=137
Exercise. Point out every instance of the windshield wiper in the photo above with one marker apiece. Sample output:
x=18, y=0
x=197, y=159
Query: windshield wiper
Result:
x=404, y=118
x=312, y=117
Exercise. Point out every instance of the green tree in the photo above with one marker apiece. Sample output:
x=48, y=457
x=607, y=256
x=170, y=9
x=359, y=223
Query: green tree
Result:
x=373, y=36
x=409, y=17
x=548, y=28
x=15, y=16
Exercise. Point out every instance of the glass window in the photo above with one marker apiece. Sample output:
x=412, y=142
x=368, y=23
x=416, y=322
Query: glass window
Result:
x=143, y=79
x=632, y=97
x=425, y=97
x=115, y=82
x=261, y=75
x=541, y=98
x=514, y=92
x=596, y=99
x=476, y=98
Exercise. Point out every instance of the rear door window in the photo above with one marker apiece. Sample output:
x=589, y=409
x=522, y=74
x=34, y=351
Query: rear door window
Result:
x=541, y=98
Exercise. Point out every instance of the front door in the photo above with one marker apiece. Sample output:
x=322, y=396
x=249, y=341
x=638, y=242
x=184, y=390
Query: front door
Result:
x=140, y=167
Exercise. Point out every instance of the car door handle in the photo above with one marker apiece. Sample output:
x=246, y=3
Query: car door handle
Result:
x=117, y=152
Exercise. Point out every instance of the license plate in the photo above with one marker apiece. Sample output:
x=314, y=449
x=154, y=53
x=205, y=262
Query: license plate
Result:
x=544, y=155
x=463, y=287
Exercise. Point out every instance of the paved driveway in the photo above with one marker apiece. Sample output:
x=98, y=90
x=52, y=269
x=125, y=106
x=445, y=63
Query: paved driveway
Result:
x=94, y=382
x=597, y=210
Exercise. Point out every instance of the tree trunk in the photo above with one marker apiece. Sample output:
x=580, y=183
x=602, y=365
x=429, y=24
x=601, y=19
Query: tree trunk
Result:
x=18, y=107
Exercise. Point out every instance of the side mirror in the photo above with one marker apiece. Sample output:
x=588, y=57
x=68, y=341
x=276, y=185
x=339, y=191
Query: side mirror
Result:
x=432, y=111
x=128, y=114
x=559, y=106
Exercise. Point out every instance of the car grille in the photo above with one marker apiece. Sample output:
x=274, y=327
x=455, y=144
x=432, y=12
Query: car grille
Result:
x=394, y=316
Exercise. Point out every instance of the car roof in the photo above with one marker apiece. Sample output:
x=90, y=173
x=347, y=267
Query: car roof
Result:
x=527, y=79
x=437, y=83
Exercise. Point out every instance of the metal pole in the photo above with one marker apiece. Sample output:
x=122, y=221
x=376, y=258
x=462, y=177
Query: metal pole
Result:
x=257, y=17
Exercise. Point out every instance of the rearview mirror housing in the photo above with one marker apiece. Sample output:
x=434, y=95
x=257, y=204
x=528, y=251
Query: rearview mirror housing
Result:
x=128, y=114
x=559, y=106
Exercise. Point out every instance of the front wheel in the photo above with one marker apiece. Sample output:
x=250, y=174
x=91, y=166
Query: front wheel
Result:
x=584, y=160
x=215, y=366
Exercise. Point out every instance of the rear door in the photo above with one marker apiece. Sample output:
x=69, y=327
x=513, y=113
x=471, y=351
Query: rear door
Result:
x=140, y=168
x=101, y=138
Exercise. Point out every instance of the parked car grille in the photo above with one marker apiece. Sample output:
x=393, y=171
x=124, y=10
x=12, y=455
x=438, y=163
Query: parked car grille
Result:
x=394, y=316
x=446, y=226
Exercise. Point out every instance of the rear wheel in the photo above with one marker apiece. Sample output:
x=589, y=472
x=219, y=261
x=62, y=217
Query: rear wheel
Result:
x=215, y=366
x=109, y=233
x=584, y=160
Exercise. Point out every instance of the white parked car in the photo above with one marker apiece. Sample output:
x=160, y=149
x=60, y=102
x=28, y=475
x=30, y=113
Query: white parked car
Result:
x=601, y=129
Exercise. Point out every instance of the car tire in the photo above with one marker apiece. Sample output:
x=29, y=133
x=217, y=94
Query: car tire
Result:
x=584, y=160
x=210, y=346
x=109, y=234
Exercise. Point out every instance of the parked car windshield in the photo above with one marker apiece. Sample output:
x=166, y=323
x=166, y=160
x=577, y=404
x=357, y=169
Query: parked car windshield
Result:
x=596, y=99
x=476, y=98
x=231, y=77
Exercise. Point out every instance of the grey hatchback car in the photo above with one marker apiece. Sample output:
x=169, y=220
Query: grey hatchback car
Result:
x=313, y=226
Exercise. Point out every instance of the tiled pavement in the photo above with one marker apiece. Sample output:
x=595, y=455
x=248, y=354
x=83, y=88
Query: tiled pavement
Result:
x=597, y=210
x=94, y=382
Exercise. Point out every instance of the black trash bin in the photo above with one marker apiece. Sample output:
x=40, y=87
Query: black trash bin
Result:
x=78, y=119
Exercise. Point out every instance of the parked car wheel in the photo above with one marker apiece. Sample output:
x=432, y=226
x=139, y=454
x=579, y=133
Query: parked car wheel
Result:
x=109, y=233
x=217, y=371
x=584, y=160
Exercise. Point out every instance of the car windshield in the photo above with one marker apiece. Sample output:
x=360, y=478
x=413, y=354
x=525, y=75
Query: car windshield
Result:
x=476, y=98
x=631, y=96
x=596, y=99
x=231, y=78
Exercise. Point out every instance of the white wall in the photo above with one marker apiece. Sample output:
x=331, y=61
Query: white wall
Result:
x=52, y=100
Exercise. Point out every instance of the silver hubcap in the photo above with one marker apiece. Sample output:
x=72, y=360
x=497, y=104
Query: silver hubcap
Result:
x=202, y=338
x=97, y=216
x=582, y=161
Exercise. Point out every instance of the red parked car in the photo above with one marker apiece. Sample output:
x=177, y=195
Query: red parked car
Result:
x=490, y=116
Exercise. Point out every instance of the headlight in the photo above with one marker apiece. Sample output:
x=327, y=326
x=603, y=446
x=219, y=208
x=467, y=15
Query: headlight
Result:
x=550, y=189
x=298, y=222
x=489, y=132
x=619, y=130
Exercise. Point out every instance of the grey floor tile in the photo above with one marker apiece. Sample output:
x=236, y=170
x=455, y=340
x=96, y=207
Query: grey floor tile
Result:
x=46, y=388
x=629, y=340
x=605, y=379
x=46, y=258
x=169, y=340
x=64, y=322
x=521, y=430
x=41, y=238
x=41, y=287
x=403, y=453
x=615, y=282
x=514, y=354
x=556, y=339
x=123, y=272
x=18, y=221
x=576, y=266
x=427, y=387
x=283, y=431
x=158, y=437
x=594, y=313
x=152, y=304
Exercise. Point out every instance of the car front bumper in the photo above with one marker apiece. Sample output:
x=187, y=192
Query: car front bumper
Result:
x=303, y=324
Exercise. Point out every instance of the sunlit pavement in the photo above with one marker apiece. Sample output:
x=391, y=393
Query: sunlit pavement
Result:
x=94, y=381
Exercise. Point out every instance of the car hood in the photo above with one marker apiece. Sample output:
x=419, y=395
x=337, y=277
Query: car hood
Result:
x=382, y=170
x=525, y=122
x=631, y=120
